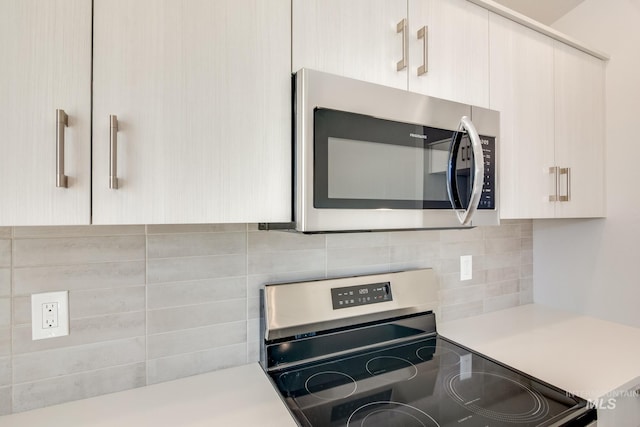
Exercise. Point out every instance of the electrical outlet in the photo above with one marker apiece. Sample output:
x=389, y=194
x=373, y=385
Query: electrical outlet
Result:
x=49, y=315
x=466, y=267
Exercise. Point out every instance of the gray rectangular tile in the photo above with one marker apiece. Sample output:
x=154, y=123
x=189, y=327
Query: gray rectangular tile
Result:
x=503, y=273
x=526, y=284
x=501, y=246
x=282, y=262
x=78, y=250
x=526, y=270
x=505, y=230
x=494, y=261
x=83, y=331
x=465, y=294
x=5, y=341
x=526, y=257
x=196, y=339
x=5, y=253
x=419, y=237
x=194, y=228
x=526, y=297
x=5, y=400
x=197, y=268
x=351, y=257
x=78, y=231
x=22, y=310
x=452, y=280
x=196, y=244
x=273, y=241
x=465, y=235
x=501, y=302
x=429, y=250
x=457, y=249
x=170, y=368
x=195, y=292
x=526, y=229
x=41, y=365
x=526, y=243
x=98, y=302
x=5, y=282
x=5, y=312
x=357, y=240
x=5, y=232
x=501, y=288
x=5, y=371
x=193, y=316
x=52, y=391
x=29, y=280
x=461, y=311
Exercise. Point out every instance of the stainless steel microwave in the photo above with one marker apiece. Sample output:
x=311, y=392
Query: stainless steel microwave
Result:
x=371, y=157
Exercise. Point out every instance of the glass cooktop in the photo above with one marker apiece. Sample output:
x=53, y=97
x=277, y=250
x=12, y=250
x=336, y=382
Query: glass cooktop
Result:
x=427, y=382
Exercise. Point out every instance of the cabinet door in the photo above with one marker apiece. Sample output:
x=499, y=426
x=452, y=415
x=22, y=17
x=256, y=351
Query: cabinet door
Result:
x=354, y=38
x=202, y=92
x=45, y=48
x=579, y=131
x=522, y=90
x=457, y=54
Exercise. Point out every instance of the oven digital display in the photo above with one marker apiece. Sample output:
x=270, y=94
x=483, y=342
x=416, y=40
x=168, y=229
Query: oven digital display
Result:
x=352, y=296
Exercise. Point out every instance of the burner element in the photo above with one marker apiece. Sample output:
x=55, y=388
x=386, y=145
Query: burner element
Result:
x=393, y=368
x=330, y=385
x=390, y=414
x=447, y=357
x=497, y=397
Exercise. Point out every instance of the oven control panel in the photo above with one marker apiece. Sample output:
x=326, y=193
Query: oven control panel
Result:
x=352, y=296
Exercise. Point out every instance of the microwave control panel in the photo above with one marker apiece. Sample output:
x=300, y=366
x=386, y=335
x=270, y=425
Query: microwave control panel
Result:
x=488, y=197
x=352, y=296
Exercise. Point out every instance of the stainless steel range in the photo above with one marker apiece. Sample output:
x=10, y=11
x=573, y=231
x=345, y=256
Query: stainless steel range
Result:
x=364, y=351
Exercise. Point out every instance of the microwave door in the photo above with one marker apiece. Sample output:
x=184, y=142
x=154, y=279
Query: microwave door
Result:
x=462, y=175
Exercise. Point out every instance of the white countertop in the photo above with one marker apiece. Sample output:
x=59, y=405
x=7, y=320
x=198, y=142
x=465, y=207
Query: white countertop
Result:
x=241, y=396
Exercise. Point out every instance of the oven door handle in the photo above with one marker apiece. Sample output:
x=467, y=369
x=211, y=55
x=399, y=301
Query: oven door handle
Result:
x=465, y=216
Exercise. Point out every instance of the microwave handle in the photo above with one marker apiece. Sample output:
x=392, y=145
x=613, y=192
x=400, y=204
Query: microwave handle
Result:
x=478, y=177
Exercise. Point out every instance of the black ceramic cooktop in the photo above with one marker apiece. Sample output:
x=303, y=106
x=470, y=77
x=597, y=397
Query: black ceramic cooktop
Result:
x=427, y=382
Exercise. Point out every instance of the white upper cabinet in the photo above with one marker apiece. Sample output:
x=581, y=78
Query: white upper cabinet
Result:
x=201, y=91
x=551, y=102
x=45, y=48
x=579, y=132
x=522, y=89
x=352, y=38
x=457, y=54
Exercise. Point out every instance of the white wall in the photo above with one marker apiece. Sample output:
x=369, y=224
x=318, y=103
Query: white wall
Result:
x=593, y=266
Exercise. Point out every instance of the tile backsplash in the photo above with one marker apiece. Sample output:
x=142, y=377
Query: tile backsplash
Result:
x=154, y=303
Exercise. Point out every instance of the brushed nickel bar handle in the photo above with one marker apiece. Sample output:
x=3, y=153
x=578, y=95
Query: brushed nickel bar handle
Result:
x=555, y=171
x=402, y=28
x=62, y=121
x=423, y=33
x=478, y=175
x=113, y=152
x=567, y=196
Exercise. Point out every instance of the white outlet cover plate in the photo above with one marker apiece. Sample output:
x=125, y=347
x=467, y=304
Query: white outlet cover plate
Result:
x=37, y=301
x=466, y=267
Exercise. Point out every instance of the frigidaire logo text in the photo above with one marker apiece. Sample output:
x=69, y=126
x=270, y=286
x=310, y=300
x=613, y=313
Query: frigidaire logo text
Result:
x=417, y=135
